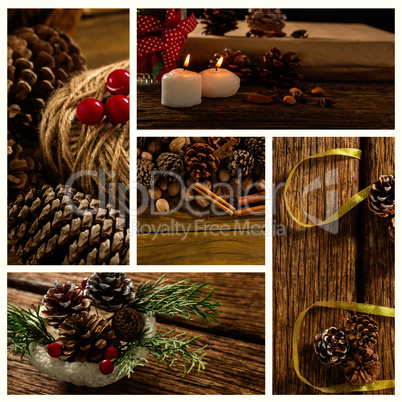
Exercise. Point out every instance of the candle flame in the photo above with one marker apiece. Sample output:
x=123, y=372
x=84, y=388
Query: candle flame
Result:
x=219, y=62
x=187, y=61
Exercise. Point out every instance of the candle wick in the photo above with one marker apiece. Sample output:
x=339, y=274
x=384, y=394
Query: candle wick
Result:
x=216, y=68
x=184, y=68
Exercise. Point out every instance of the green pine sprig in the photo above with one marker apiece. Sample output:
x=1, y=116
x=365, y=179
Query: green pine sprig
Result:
x=170, y=350
x=184, y=298
x=25, y=327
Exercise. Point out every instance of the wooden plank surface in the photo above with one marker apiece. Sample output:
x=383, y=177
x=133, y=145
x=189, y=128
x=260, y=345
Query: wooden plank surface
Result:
x=236, y=354
x=366, y=105
x=314, y=264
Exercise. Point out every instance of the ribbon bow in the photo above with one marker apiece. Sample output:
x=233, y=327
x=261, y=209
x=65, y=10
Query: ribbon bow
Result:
x=172, y=38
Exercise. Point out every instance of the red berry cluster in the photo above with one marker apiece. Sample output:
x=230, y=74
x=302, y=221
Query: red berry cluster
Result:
x=90, y=111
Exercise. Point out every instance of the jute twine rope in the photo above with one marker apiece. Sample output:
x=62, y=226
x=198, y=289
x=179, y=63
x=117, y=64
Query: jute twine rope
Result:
x=70, y=147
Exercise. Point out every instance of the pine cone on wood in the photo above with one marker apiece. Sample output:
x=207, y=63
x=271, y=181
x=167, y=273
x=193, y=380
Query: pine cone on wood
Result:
x=279, y=69
x=236, y=62
x=200, y=161
x=361, y=331
x=62, y=301
x=127, y=323
x=171, y=166
x=241, y=162
x=331, y=346
x=381, y=199
x=362, y=367
x=270, y=21
x=40, y=59
x=63, y=226
x=84, y=337
x=218, y=21
x=110, y=291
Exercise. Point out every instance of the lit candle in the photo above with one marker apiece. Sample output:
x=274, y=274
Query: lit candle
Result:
x=181, y=88
x=219, y=82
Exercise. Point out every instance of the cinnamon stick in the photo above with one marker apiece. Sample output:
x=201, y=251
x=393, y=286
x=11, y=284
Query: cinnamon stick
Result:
x=257, y=210
x=213, y=195
x=214, y=201
x=251, y=199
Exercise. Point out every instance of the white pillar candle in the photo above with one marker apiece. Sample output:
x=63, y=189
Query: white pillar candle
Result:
x=181, y=88
x=219, y=83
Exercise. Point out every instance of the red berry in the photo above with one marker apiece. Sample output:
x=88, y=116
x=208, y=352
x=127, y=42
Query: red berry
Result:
x=106, y=366
x=84, y=283
x=118, y=82
x=111, y=353
x=118, y=109
x=90, y=111
x=54, y=349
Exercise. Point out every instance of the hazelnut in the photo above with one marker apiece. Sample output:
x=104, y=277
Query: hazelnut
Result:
x=224, y=175
x=174, y=188
x=147, y=156
x=162, y=205
x=163, y=184
x=260, y=184
x=289, y=100
x=155, y=193
x=317, y=91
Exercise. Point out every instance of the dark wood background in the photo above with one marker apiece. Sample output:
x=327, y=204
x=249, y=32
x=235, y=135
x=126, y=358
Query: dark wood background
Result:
x=312, y=264
x=235, y=361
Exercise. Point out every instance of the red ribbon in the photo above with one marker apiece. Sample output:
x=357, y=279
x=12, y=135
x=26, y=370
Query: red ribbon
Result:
x=171, y=40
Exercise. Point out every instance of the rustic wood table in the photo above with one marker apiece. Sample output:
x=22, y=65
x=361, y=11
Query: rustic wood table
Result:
x=181, y=239
x=235, y=360
x=354, y=262
x=359, y=105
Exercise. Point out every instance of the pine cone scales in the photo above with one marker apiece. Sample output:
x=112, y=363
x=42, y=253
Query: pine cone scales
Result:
x=110, y=291
x=200, y=161
x=84, y=337
x=255, y=145
x=240, y=161
x=236, y=62
x=127, y=323
x=39, y=60
x=144, y=172
x=171, y=166
x=62, y=301
x=268, y=20
x=381, y=199
x=331, y=346
x=63, y=226
x=361, y=331
x=362, y=367
x=218, y=21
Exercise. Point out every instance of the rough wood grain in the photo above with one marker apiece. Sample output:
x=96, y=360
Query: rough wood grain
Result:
x=358, y=106
x=313, y=265
x=235, y=359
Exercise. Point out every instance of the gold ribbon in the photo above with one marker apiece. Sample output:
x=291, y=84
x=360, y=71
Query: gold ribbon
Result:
x=348, y=205
x=360, y=308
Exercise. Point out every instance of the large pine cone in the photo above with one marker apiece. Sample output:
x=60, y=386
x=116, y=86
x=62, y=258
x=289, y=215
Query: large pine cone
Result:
x=241, y=163
x=381, y=199
x=200, y=161
x=64, y=226
x=171, y=166
x=331, y=346
x=110, y=291
x=218, y=21
x=362, y=367
x=361, y=331
x=127, y=323
x=267, y=21
x=144, y=172
x=84, y=337
x=279, y=69
x=255, y=145
x=40, y=59
x=62, y=301
x=236, y=62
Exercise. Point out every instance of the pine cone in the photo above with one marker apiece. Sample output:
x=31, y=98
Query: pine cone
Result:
x=144, y=172
x=269, y=20
x=391, y=230
x=110, y=291
x=381, y=199
x=255, y=145
x=241, y=162
x=24, y=170
x=236, y=62
x=171, y=166
x=216, y=142
x=127, y=323
x=331, y=346
x=361, y=331
x=84, y=337
x=218, y=21
x=259, y=165
x=40, y=59
x=200, y=161
x=62, y=301
x=63, y=226
x=278, y=69
x=362, y=367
